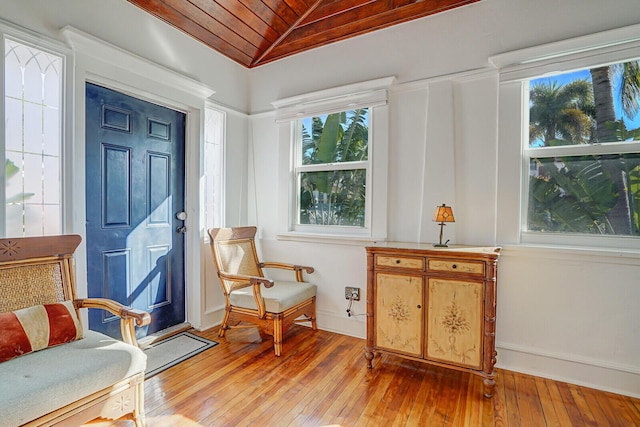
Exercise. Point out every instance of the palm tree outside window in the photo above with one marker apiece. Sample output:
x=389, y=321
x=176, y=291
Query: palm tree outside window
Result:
x=584, y=152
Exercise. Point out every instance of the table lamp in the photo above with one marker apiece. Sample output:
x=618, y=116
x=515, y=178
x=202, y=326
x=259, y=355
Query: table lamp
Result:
x=443, y=214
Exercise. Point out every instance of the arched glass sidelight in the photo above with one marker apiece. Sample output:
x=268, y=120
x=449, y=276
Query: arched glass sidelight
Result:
x=33, y=136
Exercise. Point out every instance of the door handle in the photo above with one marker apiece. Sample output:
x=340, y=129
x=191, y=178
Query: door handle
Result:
x=181, y=216
x=182, y=229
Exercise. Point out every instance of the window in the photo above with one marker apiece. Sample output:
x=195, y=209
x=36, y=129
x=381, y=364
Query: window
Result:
x=573, y=107
x=337, y=143
x=32, y=140
x=584, y=151
x=213, y=167
x=332, y=165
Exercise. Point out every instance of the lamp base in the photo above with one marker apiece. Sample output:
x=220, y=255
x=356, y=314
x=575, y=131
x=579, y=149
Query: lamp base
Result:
x=440, y=245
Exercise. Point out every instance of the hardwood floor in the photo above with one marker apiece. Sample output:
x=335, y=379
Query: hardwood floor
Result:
x=322, y=380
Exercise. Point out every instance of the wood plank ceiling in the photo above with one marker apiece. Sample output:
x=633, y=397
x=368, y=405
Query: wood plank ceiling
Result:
x=256, y=32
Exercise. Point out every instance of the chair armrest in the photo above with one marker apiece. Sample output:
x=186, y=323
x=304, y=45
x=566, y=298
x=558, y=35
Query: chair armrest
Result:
x=250, y=280
x=127, y=316
x=142, y=318
x=283, y=266
x=253, y=281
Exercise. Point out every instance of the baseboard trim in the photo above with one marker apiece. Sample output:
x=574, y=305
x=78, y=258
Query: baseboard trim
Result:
x=354, y=326
x=210, y=319
x=598, y=374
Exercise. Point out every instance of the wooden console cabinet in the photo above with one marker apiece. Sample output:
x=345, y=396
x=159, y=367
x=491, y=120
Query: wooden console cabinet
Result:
x=435, y=305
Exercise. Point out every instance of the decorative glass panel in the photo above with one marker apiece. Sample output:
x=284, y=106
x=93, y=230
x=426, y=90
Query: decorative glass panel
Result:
x=33, y=123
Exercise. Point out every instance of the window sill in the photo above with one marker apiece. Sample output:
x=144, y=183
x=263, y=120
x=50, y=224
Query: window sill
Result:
x=568, y=253
x=333, y=239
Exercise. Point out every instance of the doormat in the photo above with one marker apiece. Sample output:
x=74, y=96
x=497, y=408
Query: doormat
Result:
x=173, y=350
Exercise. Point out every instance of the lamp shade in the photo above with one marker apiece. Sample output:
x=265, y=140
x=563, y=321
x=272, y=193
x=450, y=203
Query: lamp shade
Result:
x=443, y=213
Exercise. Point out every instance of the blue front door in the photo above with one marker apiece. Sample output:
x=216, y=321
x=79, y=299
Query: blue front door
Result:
x=134, y=193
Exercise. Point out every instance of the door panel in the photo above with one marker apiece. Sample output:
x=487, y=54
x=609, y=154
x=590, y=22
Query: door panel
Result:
x=134, y=188
x=455, y=321
x=399, y=317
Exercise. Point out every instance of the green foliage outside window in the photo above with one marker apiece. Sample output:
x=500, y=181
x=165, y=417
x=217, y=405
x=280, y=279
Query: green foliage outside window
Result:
x=334, y=196
x=586, y=193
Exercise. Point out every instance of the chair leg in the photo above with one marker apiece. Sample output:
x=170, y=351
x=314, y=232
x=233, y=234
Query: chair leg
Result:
x=277, y=335
x=224, y=325
x=140, y=419
x=314, y=326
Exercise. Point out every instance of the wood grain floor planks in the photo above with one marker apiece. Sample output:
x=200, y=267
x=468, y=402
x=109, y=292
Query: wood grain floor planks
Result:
x=322, y=380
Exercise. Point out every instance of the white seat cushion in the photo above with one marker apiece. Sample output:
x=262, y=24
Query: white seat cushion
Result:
x=277, y=299
x=41, y=382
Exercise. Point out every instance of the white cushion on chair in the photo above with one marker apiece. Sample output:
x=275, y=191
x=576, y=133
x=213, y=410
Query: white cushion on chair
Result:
x=277, y=299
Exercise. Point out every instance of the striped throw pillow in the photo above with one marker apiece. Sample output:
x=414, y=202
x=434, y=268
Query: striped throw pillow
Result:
x=38, y=327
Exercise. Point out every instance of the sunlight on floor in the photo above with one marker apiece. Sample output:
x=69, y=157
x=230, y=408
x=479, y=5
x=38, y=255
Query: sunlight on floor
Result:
x=172, y=420
x=176, y=420
x=162, y=421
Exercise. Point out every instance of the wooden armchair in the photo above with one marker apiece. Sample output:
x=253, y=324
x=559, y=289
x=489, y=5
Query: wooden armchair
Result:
x=73, y=375
x=252, y=298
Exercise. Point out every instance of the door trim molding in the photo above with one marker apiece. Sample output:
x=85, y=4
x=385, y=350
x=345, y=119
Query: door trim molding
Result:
x=106, y=52
x=101, y=62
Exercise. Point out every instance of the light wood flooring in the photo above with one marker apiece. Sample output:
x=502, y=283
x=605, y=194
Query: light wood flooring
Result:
x=322, y=380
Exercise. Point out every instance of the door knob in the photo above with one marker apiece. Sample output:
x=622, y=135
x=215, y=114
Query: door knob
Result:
x=181, y=215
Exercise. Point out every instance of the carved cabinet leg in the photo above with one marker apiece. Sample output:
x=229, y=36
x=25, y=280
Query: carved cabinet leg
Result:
x=369, y=355
x=488, y=386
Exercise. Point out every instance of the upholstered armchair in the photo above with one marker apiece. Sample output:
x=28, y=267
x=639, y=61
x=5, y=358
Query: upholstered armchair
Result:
x=250, y=297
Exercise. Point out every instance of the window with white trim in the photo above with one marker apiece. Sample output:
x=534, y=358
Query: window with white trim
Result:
x=579, y=137
x=331, y=170
x=32, y=149
x=338, y=142
x=584, y=151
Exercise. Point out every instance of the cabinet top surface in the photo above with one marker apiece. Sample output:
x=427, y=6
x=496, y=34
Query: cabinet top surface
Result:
x=427, y=248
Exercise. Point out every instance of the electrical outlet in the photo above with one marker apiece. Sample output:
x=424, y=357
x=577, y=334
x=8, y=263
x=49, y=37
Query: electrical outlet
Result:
x=352, y=293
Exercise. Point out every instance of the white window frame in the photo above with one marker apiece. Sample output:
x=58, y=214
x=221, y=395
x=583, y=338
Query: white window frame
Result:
x=299, y=168
x=371, y=94
x=516, y=69
x=26, y=37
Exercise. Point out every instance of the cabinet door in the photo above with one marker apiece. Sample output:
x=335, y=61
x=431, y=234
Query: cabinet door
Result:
x=399, y=313
x=454, y=321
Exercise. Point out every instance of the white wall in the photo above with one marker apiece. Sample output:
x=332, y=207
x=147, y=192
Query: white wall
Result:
x=562, y=314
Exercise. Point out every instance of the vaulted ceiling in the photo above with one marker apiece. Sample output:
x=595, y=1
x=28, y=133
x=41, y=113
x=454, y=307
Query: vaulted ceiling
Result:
x=255, y=32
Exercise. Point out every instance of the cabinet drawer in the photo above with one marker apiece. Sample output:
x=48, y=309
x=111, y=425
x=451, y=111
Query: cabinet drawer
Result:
x=414, y=263
x=456, y=266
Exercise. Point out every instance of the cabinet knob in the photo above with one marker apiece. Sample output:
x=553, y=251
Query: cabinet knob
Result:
x=419, y=306
x=397, y=261
x=454, y=266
